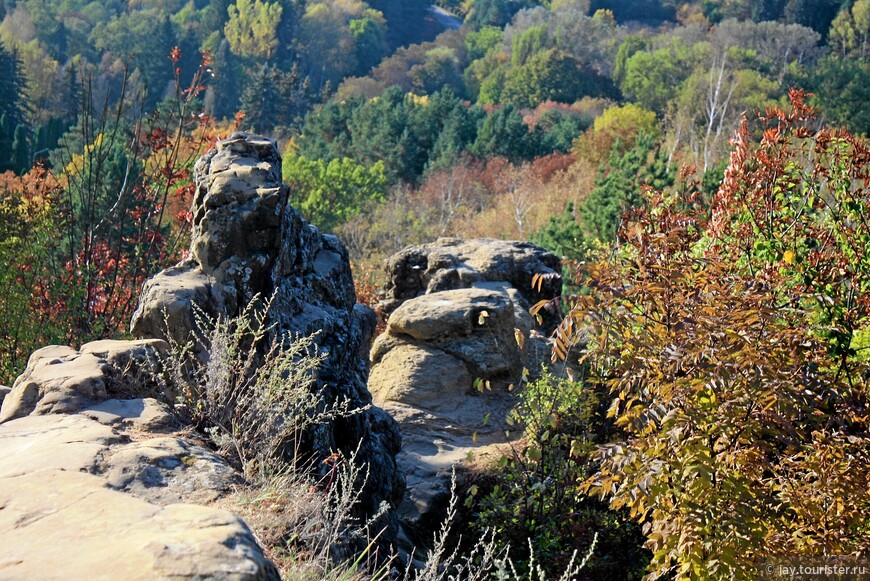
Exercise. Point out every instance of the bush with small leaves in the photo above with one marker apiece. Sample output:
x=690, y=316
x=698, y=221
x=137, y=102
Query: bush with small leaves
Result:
x=729, y=341
x=531, y=499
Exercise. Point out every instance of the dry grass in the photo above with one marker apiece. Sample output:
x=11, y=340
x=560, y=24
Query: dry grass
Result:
x=253, y=391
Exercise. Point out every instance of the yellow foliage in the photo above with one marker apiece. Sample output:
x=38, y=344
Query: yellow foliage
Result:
x=421, y=100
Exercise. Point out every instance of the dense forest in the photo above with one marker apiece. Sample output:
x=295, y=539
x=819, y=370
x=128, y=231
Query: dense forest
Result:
x=660, y=146
x=528, y=109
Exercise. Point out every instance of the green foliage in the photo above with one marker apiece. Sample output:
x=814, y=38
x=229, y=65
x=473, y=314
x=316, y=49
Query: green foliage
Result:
x=142, y=39
x=850, y=30
x=326, y=131
x=531, y=42
x=368, y=41
x=628, y=48
x=440, y=70
x=618, y=187
x=551, y=76
x=650, y=77
x=562, y=235
x=842, y=87
x=252, y=27
x=495, y=12
x=330, y=193
x=20, y=150
x=14, y=113
x=558, y=130
x=382, y=130
x=492, y=86
x=13, y=96
x=816, y=14
x=503, y=133
x=456, y=127
x=480, y=42
x=411, y=134
x=533, y=503
x=275, y=98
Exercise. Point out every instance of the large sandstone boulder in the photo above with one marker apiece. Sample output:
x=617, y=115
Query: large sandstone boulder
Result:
x=451, y=351
x=247, y=240
x=97, y=488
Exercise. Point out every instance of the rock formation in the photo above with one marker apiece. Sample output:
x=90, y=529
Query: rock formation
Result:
x=95, y=487
x=247, y=240
x=96, y=481
x=451, y=263
x=458, y=311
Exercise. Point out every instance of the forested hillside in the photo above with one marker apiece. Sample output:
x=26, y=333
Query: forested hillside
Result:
x=702, y=166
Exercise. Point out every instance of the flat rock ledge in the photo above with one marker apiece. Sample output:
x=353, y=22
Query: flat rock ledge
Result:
x=93, y=486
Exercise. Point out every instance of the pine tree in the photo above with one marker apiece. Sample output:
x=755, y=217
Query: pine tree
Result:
x=619, y=188
x=259, y=100
x=13, y=86
x=13, y=112
x=294, y=97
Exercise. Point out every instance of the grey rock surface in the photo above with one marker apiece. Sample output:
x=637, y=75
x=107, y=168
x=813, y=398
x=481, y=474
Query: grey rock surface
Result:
x=247, y=241
x=59, y=379
x=95, y=488
x=61, y=524
x=453, y=263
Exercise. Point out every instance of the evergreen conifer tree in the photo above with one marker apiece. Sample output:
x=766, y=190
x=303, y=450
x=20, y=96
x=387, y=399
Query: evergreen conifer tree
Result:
x=13, y=111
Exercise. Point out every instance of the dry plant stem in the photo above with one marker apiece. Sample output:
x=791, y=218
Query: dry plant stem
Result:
x=255, y=395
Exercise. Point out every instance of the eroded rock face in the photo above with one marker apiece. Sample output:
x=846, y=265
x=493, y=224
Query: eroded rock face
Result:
x=452, y=263
x=458, y=313
x=248, y=240
x=59, y=379
x=97, y=482
x=98, y=488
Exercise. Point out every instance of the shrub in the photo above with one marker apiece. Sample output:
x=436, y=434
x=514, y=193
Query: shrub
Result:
x=729, y=343
x=532, y=502
x=254, y=392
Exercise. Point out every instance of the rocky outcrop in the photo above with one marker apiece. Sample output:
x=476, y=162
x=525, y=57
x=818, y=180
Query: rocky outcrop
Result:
x=98, y=479
x=59, y=379
x=247, y=241
x=452, y=263
x=99, y=488
x=458, y=335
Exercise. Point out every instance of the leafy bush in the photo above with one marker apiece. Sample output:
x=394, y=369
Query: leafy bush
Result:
x=728, y=342
x=252, y=391
x=532, y=501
